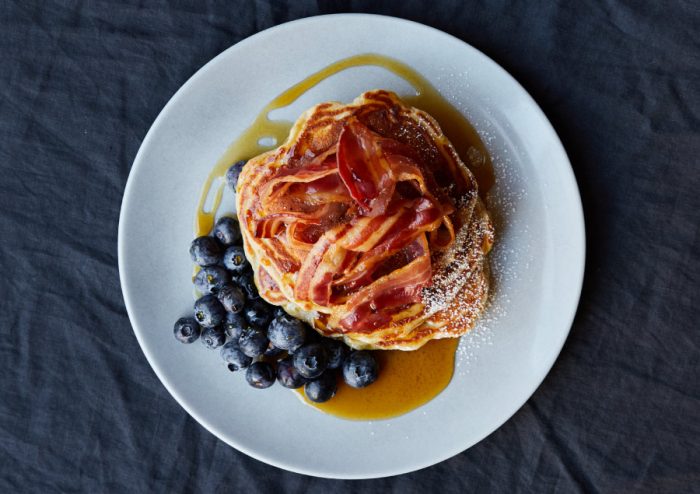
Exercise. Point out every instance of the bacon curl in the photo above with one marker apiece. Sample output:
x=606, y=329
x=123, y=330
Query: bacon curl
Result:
x=359, y=221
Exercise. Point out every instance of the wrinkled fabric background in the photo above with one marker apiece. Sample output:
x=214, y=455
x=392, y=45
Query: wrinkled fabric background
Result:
x=80, y=408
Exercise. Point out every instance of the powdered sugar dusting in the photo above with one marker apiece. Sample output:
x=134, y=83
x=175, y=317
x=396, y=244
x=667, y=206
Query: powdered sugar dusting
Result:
x=452, y=271
x=503, y=201
x=505, y=262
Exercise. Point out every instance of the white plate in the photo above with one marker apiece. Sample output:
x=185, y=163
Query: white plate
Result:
x=538, y=259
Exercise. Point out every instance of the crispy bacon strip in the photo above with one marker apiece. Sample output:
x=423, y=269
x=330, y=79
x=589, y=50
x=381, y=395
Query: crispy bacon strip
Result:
x=320, y=167
x=315, y=258
x=372, y=306
x=272, y=224
x=364, y=168
x=301, y=237
x=280, y=255
x=404, y=222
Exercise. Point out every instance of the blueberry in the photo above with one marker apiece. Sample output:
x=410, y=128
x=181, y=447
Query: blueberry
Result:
x=258, y=313
x=337, y=351
x=360, y=369
x=311, y=360
x=208, y=311
x=213, y=337
x=186, y=330
x=260, y=375
x=210, y=279
x=235, y=260
x=245, y=281
x=288, y=376
x=205, y=251
x=233, y=325
x=322, y=388
x=253, y=342
x=279, y=311
x=232, y=298
x=272, y=351
x=287, y=333
x=227, y=231
x=234, y=357
x=233, y=173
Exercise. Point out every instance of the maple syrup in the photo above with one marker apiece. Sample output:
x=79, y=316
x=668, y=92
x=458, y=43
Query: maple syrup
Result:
x=406, y=381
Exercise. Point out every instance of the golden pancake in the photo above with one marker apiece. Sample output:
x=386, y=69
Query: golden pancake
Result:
x=366, y=224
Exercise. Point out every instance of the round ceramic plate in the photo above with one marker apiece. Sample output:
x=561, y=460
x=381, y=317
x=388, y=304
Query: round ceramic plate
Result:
x=537, y=262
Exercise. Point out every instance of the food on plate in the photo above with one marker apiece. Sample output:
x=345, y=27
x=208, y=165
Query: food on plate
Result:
x=213, y=337
x=288, y=376
x=210, y=279
x=205, y=251
x=208, y=311
x=311, y=360
x=253, y=336
x=234, y=259
x=360, y=369
x=253, y=341
x=322, y=388
x=234, y=356
x=234, y=172
x=232, y=298
x=287, y=333
x=363, y=231
x=227, y=231
x=260, y=375
x=187, y=330
x=367, y=225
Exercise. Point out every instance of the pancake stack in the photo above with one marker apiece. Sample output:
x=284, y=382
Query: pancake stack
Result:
x=366, y=224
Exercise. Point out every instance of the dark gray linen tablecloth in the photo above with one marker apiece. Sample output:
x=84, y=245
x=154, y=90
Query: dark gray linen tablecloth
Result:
x=80, y=408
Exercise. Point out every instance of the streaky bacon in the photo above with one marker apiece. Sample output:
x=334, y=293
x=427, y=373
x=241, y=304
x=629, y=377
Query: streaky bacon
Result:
x=280, y=255
x=376, y=240
x=320, y=167
x=356, y=224
x=313, y=260
x=408, y=169
x=384, y=236
x=405, y=220
x=372, y=305
x=326, y=189
x=300, y=237
x=272, y=224
x=268, y=227
x=334, y=260
x=364, y=168
x=364, y=270
x=295, y=196
x=302, y=233
x=367, y=231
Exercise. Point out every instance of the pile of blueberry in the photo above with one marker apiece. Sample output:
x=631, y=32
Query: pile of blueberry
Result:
x=253, y=335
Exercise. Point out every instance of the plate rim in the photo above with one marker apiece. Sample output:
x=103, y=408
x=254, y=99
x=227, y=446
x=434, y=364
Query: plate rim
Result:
x=575, y=204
